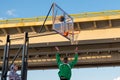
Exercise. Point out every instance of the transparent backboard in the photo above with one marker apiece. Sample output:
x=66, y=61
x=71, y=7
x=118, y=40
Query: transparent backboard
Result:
x=62, y=22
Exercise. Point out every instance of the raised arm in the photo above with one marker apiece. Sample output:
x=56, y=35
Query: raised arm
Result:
x=75, y=58
x=58, y=56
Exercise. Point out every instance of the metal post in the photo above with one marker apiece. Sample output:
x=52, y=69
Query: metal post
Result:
x=5, y=59
x=46, y=18
x=24, y=58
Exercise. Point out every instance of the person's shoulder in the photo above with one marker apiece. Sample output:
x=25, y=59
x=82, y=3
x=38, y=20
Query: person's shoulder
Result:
x=11, y=73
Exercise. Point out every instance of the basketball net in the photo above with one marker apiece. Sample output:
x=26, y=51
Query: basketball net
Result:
x=74, y=37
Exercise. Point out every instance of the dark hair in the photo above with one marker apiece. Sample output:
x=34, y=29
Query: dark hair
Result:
x=65, y=58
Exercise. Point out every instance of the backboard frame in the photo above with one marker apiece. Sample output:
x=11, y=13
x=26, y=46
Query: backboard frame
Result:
x=64, y=24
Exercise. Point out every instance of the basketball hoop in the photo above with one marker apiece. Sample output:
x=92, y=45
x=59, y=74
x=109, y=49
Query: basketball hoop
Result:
x=65, y=34
x=63, y=24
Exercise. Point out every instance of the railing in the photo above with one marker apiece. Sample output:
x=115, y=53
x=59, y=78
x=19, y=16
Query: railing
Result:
x=41, y=18
x=94, y=14
x=21, y=20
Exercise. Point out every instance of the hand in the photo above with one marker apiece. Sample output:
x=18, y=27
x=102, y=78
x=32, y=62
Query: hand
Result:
x=76, y=50
x=57, y=49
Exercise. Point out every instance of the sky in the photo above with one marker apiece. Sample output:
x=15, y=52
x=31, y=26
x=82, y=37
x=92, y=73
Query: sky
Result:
x=30, y=8
x=34, y=8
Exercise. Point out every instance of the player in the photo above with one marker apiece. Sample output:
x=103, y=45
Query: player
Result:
x=13, y=75
x=65, y=66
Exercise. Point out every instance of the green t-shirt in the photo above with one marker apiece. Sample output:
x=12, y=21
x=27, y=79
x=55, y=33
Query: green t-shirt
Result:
x=65, y=68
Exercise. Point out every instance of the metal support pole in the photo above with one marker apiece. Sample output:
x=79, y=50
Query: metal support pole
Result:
x=5, y=59
x=46, y=18
x=17, y=54
x=24, y=57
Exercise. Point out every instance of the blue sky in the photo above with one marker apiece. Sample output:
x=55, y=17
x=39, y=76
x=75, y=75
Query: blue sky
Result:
x=33, y=8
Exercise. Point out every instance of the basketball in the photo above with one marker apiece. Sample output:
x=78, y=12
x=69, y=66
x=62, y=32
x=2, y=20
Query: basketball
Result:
x=62, y=18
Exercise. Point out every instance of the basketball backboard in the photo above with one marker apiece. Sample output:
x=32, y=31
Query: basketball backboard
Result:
x=62, y=22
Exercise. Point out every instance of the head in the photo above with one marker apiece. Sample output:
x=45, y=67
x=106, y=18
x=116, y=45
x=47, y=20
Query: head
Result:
x=14, y=67
x=65, y=59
